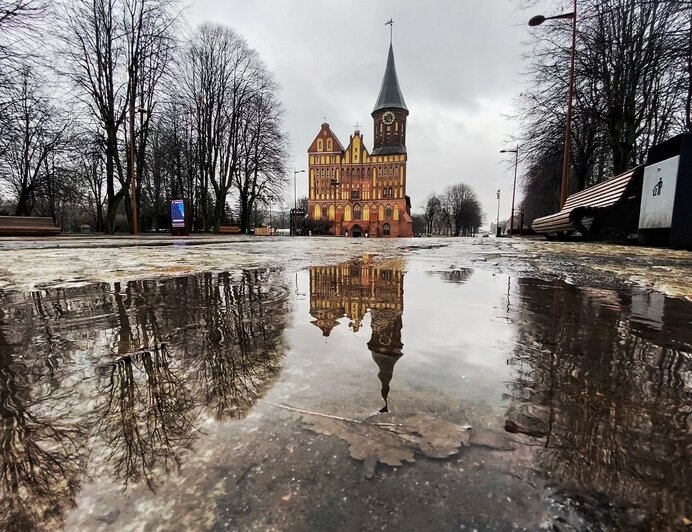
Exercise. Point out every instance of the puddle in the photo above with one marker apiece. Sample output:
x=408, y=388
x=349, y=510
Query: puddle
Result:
x=152, y=404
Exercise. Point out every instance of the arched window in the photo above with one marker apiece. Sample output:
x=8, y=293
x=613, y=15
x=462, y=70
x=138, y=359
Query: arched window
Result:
x=318, y=212
x=320, y=145
x=388, y=212
x=386, y=229
x=381, y=212
x=324, y=213
x=356, y=212
x=390, y=192
x=330, y=146
x=347, y=213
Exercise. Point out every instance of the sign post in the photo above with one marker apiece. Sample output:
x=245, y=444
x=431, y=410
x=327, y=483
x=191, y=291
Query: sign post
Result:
x=179, y=218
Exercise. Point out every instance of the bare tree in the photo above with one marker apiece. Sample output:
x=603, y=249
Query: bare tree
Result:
x=33, y=133
x=237, y=120
x=117, y=51
x=433, y=207
x=463, y=209
x=262, y=174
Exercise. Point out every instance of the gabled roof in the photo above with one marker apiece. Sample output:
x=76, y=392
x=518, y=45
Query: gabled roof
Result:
x=390, y=92
x=324, y=134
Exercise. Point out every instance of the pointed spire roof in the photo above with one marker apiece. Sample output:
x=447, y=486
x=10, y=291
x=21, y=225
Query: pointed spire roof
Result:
x=390, y=93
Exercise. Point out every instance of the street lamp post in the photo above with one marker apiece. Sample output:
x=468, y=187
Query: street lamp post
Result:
x=497, y=223
x=536, y=21
x=515, y=151
x=133, y=171
x=295, y=200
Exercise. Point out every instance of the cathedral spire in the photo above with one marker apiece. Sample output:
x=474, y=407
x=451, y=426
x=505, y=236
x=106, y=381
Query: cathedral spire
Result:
x=390, y=94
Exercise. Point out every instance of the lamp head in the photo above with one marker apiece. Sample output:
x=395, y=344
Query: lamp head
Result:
x=537, y=20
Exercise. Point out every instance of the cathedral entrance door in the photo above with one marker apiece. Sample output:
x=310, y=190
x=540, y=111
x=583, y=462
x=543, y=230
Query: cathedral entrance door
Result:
x=356, y=231
x=386, y=229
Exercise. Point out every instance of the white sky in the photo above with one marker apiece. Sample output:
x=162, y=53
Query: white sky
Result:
x=458, y=62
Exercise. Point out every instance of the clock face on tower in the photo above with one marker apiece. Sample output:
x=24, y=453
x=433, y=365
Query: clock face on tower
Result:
x=388, y=118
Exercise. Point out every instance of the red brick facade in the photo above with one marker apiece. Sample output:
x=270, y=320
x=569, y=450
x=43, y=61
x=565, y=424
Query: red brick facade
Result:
x=357, y=192
x=361, y=193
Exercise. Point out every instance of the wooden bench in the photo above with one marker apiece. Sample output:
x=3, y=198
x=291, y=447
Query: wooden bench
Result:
x=604, y=209
x=229, y=230
x=27, y=226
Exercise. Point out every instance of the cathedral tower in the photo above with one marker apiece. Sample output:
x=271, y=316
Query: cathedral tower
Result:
x=390, y=113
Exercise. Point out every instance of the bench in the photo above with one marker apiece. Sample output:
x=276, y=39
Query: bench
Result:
x=607, y=209
x=27, y=226
x=229, y=230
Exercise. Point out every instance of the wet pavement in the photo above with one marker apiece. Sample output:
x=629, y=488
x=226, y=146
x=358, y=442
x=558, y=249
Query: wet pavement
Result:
x=340, y=385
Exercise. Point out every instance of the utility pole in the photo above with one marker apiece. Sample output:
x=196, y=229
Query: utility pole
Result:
x=497, y=223
x=295, y=200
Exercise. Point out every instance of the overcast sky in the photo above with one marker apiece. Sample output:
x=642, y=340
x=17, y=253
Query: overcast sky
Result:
x=458, y=62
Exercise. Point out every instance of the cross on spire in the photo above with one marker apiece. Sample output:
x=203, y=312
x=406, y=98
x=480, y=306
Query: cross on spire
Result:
x=356, y=126
x=390, y=23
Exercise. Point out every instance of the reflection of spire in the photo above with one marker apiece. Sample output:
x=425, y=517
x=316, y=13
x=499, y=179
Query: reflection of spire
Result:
x=385, y=346
x=386, y=364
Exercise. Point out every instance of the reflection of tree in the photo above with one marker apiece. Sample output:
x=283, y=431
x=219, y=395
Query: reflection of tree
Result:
x=146, y=416
x=610, y=400
x=224, y=345
x=40, y=448
x=241, y=347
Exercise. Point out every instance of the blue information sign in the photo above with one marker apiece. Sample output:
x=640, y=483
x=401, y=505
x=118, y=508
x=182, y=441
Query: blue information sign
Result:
x=178, y=214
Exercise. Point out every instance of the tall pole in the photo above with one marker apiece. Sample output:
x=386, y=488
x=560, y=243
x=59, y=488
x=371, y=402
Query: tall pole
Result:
x=497, y=223
x=568, y=119
x=295, y=200
x=133, y=175
x=537, y=21
x=514, y=189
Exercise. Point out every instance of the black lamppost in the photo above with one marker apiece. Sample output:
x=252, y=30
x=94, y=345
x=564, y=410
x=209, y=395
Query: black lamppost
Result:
x=515, y=151
x=295, y=200
x=537, y=21
x=497, y=223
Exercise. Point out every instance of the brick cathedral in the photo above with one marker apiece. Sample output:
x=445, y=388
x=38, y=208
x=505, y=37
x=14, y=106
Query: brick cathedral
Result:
x=361, y=193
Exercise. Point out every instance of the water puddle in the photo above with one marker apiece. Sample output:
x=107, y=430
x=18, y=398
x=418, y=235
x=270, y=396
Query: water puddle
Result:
x=238, y=400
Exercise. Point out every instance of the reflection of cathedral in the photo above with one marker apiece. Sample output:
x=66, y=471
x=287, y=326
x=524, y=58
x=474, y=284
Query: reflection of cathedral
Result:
x=351, y=289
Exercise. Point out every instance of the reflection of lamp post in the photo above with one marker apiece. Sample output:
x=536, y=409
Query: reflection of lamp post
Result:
x=536, y=21
x=295, y=200
x=497, y=224
x=515, y=151
x=334, y=184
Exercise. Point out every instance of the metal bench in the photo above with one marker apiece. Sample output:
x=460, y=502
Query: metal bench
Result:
x=608, y=209
x=27, y=226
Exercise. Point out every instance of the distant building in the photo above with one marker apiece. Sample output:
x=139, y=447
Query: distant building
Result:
x=356, y=191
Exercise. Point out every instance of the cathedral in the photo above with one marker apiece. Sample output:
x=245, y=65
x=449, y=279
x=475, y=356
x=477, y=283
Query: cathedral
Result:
x=362, y=193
